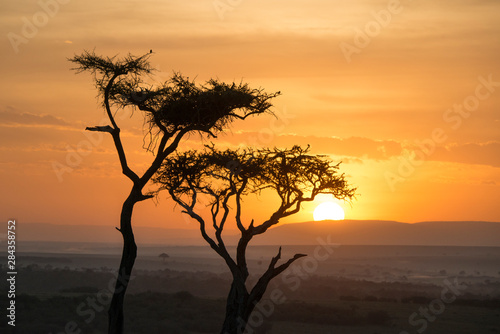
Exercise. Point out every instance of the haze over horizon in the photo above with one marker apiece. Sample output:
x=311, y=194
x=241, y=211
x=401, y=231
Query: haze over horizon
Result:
x=342, y=232
x=413, y=112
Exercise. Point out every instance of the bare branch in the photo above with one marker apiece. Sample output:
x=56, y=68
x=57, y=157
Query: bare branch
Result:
x=105, y=128
x=272, y=271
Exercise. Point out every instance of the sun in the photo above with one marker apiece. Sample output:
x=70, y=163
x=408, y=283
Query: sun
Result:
x=328, y=211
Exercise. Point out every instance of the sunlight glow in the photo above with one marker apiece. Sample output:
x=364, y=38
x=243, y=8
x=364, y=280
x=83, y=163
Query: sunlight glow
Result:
x=328, y=211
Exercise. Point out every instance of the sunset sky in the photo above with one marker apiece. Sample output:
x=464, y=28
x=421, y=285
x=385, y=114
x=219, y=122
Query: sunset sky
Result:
x=406, y=94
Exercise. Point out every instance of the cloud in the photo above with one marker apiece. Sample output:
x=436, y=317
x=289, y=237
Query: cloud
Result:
x=487, y=153
x=471, y=153
x=12, y=117
x=357, y=149
x=352, y=147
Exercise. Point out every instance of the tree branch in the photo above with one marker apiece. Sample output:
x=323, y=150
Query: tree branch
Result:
x=106, y=97
x=238, y=205
x=218, y=231
x=272, y=271
x=115, y=133
x=162, y=153
x=219, y=249
x=105, y=128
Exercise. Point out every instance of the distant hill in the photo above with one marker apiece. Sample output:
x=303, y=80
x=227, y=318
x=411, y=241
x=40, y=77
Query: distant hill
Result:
x=376, y=232
x=346, y=232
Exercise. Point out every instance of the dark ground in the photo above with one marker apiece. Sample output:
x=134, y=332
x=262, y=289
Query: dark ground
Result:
x=357, y=290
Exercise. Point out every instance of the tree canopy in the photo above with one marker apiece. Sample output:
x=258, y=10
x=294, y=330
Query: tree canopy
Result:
x=177, y=105
x=292, y=174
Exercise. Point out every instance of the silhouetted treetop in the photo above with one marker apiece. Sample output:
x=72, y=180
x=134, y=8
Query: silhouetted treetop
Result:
x=293, y=174
x=178, y=104
x=111, y=66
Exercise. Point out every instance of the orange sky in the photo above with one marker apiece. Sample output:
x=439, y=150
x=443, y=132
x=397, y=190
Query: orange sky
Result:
x=423, y=81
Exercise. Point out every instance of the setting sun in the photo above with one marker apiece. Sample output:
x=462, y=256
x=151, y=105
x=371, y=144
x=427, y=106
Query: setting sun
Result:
x=328, y=211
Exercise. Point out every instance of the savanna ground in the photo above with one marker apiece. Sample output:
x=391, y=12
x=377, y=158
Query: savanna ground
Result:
x=355, y=289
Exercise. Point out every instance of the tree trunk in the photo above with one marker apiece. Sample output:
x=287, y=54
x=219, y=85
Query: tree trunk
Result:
x=236, y=309
x=129, y=253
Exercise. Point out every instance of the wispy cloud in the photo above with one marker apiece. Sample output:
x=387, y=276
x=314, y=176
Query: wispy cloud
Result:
x=471, y=153
x=353, y=147
x=357, y=149
x=11, y=117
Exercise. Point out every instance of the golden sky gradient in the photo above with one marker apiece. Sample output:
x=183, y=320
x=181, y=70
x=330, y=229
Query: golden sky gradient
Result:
x=405, y=93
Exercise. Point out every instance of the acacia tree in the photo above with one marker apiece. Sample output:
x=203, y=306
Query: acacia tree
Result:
x=171, y=110
x=223, y=179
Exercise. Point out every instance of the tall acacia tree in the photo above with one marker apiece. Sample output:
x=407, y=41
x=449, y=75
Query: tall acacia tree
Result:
x=172, y=109
x=222, y=179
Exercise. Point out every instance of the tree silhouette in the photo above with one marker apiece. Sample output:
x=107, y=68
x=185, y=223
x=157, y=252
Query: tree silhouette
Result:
x=171, y=110
x=163, y=256
x=223, y=179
